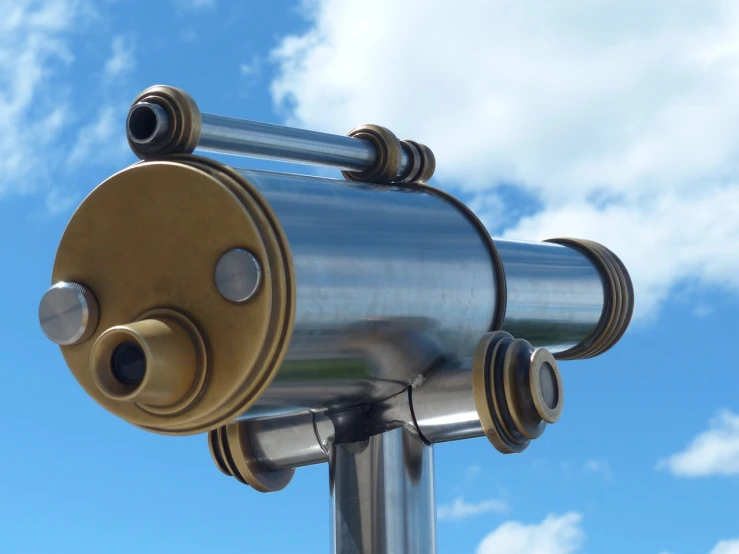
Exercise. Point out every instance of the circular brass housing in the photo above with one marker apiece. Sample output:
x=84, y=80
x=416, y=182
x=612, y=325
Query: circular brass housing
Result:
x=148, y=239
x=517, y=391
x=183, y=122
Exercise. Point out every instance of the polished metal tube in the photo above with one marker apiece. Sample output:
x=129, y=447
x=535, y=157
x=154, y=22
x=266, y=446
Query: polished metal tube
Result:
x=386, y=278
x=382, y=493
x=290, y=442
x=389, y=278
x=444, y=406
x=265, y=140
x=555, y=296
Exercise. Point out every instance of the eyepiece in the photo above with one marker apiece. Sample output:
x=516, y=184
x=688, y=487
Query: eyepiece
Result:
x=128, y=364
x=151, y=362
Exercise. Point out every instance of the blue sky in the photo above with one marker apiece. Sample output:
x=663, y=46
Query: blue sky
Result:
x=613, y=121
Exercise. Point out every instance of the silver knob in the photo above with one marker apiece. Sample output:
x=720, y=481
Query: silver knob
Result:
x=238, y=275
x=68, y=313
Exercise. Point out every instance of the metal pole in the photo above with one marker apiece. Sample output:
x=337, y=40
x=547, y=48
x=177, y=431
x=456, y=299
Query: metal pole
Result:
x=382, y=492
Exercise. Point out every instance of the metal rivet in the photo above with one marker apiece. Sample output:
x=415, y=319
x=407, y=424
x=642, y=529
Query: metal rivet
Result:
x=68, y=313
x=238, y=275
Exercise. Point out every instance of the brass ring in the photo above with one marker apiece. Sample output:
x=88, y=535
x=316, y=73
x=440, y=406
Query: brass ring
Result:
x=428, y=163
x=618, y=304
x=389, y=155
x=184, y=117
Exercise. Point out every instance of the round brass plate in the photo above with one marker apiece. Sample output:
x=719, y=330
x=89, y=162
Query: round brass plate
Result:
x=149, y=238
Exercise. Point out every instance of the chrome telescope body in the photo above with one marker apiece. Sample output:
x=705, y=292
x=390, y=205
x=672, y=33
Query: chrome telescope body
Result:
x=300, y=320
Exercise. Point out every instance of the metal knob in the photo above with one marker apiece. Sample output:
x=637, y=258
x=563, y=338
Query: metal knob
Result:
x=68, y=313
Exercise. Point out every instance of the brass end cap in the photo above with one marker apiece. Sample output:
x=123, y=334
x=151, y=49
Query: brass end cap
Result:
x=424, y=164
x=158, y=362
x=517, y=389
x=389, y=155
x=618, y=305
x=231, y=450
x=159, y=231
x=163, y=120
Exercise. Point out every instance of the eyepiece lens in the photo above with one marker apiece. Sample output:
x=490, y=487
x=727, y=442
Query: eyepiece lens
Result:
x=128, y=364
x=548, y=385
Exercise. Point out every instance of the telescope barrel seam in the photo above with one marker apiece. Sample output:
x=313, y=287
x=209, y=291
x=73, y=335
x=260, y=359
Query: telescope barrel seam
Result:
x=500, y=280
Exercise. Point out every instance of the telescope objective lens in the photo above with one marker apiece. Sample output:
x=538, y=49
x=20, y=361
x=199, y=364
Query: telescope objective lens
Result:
x=128, y=364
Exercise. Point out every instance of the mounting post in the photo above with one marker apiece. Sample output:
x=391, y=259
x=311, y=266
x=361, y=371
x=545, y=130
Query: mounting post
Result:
x=382, y=494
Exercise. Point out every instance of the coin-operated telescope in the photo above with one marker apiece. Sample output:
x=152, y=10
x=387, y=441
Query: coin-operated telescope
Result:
x=299, y=320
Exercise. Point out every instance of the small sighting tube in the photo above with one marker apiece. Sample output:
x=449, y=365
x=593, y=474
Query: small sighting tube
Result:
x=264, y=140
x=165, y=120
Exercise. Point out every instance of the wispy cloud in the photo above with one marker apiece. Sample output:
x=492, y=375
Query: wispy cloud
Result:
x=460, y=509
x=101, y=140
x=33, y=51
x=195, y=4
x=472, y=471
x=121, y=60
x=554, y=535
x=712, y=452
x=599, y=467
x=38, y=88
x=702, y=311
x=726, y=547
x=252, y=67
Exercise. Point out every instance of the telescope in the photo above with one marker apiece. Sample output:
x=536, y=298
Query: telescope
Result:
x=300, y=320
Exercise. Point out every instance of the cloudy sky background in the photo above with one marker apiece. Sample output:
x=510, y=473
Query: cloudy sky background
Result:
x=613, y=121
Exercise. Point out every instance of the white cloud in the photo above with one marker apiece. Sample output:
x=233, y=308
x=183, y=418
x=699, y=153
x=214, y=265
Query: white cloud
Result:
x=37, y=52
x=252, y=67
x=713, y=452
x=121, y=60
x=620, y=119
x=472, y=471
x=103, y=139
x=726, y=547
x=33, y=51
x=555, y=535
x=599, y=467
x=460, y=509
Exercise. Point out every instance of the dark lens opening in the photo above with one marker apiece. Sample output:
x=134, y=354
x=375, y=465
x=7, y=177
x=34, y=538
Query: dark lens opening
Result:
x=142, y=123
x=128, y=364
